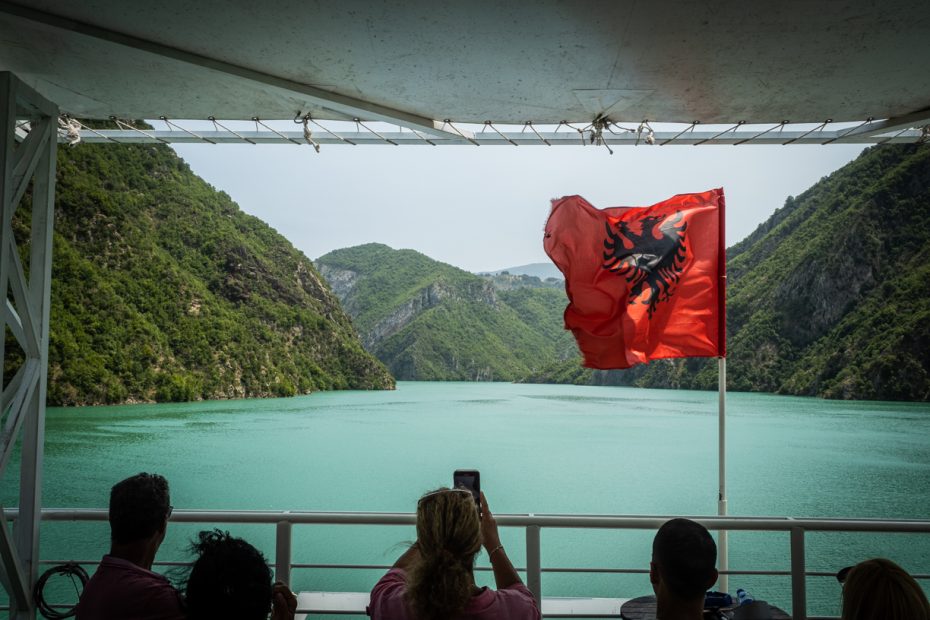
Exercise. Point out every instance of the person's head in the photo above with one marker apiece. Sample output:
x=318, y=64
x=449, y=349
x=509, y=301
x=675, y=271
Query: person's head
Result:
x=139, y=509
x=879, y=589
x=229, y=579
x=684, y=558
x=448, y=538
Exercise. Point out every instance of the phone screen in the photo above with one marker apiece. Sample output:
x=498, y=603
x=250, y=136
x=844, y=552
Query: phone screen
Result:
x=468, y=479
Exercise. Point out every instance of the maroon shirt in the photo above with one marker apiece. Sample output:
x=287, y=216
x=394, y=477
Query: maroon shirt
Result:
x=121, y=590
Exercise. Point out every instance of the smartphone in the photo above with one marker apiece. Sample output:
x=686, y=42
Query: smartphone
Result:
x=468, y=479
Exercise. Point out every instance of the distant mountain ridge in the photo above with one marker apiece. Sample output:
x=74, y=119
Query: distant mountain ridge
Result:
x=830, y=297
x=538, y=270
x=163, y=290
x=426, y=320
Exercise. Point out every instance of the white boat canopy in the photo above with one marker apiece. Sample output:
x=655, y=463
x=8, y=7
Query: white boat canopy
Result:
x=726, y=71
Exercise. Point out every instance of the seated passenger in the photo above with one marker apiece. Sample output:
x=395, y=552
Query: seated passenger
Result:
x=434, y=580
x=879, y=589
x=124, y=585
x=683, y=568
x=231, y=579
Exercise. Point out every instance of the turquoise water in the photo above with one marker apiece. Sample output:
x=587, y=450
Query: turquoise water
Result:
x=540, y=449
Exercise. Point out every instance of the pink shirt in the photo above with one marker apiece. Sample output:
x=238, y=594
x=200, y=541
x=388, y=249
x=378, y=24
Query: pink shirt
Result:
x=513, y=603
x=121, y=590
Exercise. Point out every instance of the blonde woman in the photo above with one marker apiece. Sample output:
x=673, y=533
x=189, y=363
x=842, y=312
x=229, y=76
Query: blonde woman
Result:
x=879, y=589
x=434, y=580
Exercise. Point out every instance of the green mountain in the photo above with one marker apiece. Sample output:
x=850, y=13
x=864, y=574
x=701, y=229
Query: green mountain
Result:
x=830, y=297
x=429, y=321
x=164, y=290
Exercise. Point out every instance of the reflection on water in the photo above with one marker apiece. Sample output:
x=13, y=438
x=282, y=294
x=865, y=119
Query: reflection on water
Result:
x=540, y=449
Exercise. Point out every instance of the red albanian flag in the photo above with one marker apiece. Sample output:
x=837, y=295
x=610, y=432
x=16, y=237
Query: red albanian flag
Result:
x=643, y=283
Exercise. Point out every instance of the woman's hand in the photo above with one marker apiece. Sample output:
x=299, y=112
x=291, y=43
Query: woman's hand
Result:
x=489, y=535
x=283, y=602
x=505, y=575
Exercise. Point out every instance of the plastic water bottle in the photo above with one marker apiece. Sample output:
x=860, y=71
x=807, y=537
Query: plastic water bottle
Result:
x=744, y=597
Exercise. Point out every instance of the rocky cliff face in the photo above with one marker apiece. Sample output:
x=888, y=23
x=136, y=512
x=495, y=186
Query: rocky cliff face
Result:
x=343, y=283
x=435, y=294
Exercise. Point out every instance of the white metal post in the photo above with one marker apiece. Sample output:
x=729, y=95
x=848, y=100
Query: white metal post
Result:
x=25, y=312
x=723, y=560
x=282, y=552
x=534, y=562
x=798, y=575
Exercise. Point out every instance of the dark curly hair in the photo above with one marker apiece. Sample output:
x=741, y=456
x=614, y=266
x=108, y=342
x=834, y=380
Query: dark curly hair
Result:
x=229, y=579
x=138, y=507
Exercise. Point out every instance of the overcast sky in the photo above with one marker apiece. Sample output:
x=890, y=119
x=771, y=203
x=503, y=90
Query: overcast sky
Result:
x=483, y=208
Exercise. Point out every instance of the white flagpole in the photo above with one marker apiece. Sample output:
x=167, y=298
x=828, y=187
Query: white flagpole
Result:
x=722, y=558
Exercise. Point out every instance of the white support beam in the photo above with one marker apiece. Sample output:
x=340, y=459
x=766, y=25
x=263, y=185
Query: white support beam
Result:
x=26, y=310
x=871, y=131
x=506, y=138
x=13, y=322
x=39, y=292
x=26, y=157
x=10, y=566
x=18, y=413
x=9, y=392
x=8, y=111
x=342, y=104
x=24, y=160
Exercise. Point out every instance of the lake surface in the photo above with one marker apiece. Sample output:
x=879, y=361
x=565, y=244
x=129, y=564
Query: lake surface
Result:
x=540, y=449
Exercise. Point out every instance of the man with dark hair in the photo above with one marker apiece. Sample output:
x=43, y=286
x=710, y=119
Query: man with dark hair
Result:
x=683, y=568
x=124, y=585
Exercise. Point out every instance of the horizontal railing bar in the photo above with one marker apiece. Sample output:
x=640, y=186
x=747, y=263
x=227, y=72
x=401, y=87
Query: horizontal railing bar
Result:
x=784, y=524
x=351, y=566
x=508, y=138
x=521, y=569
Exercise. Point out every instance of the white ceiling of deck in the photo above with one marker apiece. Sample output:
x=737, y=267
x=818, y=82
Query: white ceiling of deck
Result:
x=507, y=62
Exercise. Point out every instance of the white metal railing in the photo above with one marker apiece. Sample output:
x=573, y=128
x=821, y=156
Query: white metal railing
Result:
x=533, y=524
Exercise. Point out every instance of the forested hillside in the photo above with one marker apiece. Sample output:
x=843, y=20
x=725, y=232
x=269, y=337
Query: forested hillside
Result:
x=164, y=290
x=829, y=297
x=430, y=321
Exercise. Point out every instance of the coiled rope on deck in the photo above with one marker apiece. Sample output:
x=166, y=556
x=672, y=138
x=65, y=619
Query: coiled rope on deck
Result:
x=72, y=570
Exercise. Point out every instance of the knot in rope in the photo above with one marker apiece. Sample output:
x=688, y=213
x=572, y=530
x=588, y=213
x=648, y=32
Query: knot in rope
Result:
x=645, y=132
x=308, y=135
x=596, y=135
x=69, y=129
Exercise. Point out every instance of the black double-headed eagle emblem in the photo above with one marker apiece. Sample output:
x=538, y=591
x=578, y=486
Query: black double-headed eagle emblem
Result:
x=655, y=259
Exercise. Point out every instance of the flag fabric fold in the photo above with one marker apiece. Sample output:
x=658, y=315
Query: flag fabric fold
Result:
x=643, y=283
